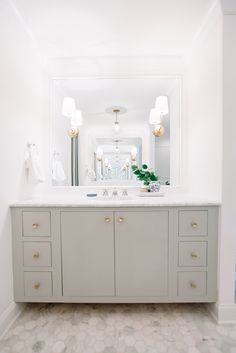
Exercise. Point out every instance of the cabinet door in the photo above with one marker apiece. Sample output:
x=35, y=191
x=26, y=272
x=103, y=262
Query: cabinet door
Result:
x=141, y=243
x=87, y=253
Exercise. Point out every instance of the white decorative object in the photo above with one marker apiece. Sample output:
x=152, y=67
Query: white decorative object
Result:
x=58, y=173
x=154, y=186
x=151, y=194
x=33, y=164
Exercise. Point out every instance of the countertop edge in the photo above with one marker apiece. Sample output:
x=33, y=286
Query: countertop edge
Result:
x=109, y=205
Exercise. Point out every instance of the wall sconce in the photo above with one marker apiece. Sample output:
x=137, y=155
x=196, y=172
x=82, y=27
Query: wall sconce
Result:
x=162, y=105
x=106, y=162
x=134, y=153
x=69, y=110
x=99, y=154
x=156, y=114
x=76, y=121
x=155, y=117
x=158, y=130
x=68, y=107
x=75, y=116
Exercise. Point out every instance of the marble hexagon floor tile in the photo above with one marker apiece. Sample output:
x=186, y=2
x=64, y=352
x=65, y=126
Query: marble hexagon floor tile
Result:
x=118, y=328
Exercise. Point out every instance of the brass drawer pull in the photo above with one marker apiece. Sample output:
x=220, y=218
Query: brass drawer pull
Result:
x=36, y=255
x=193, y=255
x=193, y=285
x=120, y=219
x=35, y=225
x=194, y=225
x=36, y=285
x=107, y=219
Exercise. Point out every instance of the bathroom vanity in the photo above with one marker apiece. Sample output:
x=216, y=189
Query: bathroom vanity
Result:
x=115, y=252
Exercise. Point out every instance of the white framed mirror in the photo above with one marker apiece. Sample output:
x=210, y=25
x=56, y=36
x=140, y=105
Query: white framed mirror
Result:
x=101, y=126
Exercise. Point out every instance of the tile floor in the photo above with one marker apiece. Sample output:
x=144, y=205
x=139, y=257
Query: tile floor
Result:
x=106, y=328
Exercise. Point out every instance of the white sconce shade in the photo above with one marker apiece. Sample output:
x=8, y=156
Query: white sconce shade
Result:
x=77, y=119
x=99, y=153
x=162, y=105
x=134, y=151
x=68, y=107
x=155, y=117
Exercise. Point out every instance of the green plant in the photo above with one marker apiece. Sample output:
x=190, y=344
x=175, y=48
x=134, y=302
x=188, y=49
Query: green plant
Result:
x=144, y=174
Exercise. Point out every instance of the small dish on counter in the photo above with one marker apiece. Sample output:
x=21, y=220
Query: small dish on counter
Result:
x=151, y=194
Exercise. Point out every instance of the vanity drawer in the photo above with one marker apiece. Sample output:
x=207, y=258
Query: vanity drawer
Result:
x=193, y=223
x=192, y=284
x=37, y=254
x=36, y=224
x=192, y=253
x=38, y=284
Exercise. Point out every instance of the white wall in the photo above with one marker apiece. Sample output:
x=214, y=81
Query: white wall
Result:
x=227, y=308
x=211, y=137
x=204, y=109
x=23, y=110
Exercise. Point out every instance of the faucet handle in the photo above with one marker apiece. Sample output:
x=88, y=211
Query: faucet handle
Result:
x=115, y=192
x=125, y=192
x=105, y=192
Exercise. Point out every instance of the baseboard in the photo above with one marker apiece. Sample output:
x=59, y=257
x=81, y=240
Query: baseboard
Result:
x=8, y=317
x=223, y=313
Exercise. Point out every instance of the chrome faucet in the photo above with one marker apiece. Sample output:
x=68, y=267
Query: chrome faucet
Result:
x=115, y=192
x=105, y=193
x=125, y=192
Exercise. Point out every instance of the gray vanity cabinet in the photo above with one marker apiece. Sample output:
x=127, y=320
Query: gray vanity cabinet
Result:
x=87, y=253
x=142, y=250
x=115, y=254
x=127, y=256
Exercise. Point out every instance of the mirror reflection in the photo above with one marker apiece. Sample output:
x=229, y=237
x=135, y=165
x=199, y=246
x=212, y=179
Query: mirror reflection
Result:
x=103, y=126
x=114, y=158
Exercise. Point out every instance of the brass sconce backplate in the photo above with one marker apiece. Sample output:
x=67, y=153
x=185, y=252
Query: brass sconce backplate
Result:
x=73, y=133
x=158, y=132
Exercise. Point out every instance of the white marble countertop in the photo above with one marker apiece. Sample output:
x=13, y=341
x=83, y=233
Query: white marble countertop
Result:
x=120, y=201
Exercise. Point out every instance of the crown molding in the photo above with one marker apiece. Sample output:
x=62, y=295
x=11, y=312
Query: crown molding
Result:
x=228, y=12
x=228, y=7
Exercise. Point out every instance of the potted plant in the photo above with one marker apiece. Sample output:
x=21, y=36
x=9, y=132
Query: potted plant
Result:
x=148, y=177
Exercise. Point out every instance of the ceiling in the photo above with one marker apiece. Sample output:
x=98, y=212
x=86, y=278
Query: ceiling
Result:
x=73, y=28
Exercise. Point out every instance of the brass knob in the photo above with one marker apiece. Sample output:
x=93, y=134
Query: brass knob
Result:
x=35, y=225
x=194, y=225
x=107, y=219
x=193, y=255
x=36, y=255
x=36, y=285
x=120, y=219
x=193, y=285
